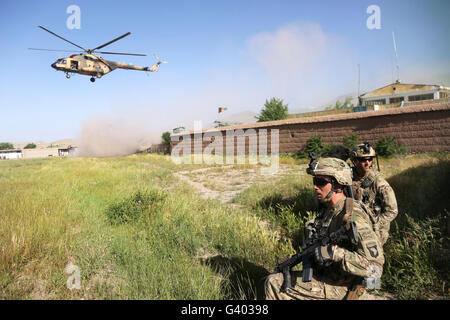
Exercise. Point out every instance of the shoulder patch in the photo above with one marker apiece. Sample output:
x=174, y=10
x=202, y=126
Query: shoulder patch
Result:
x=372, y=248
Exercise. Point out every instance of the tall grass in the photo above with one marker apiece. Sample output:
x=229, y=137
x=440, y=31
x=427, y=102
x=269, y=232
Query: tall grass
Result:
x=417, y=253
x=287, y=202
x=136, y=232
x=130, y=227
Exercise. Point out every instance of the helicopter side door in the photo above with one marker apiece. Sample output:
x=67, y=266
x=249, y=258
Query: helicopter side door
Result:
x=74, y=64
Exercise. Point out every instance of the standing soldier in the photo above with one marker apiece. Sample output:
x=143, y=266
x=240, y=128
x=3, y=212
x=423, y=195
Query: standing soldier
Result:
x=373, y=190
x=337, y=267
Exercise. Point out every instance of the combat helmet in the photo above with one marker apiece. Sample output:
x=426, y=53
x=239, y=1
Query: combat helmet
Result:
x=334, y=167
x=363, y=150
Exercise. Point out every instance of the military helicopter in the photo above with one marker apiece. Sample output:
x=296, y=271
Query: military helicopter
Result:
x=88, y=63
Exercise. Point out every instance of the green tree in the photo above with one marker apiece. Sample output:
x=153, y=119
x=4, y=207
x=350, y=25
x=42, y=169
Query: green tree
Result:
x=387, y=147
x=165, y=138
x=6, y=146
x=313, y=144
x=30, y=146
x=273, y=110
x=350, y=141
x=341, y=105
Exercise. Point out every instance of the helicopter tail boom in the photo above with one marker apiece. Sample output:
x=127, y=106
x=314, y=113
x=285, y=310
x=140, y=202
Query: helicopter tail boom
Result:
x=127, y=66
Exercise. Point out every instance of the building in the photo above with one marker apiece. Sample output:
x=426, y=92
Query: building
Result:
x=398, y=94
x=40, y=153
x=11, y=154
x=67, y=151
x=159, y=148
x=37, y=153
x=178, y=129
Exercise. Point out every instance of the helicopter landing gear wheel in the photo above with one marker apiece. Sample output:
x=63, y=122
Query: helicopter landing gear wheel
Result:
x=67, y=76
x=92, y=79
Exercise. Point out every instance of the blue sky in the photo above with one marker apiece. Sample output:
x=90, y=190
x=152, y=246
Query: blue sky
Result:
x=221, y=53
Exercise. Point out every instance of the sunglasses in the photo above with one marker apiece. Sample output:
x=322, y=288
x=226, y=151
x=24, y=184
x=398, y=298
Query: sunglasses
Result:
x=320, y=182
x=365, y=159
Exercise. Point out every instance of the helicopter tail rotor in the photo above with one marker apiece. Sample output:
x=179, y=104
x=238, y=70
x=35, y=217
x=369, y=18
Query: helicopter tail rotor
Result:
x=159, y=61
x=155, y=67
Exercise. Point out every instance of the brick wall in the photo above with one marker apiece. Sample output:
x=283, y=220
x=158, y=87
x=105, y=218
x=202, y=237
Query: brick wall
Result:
x=422, y=128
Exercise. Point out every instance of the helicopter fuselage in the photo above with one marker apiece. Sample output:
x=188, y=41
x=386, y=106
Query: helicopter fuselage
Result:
x=93, y=65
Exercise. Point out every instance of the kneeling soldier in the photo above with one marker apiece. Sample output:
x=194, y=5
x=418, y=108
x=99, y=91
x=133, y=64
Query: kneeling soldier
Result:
x=337, y=267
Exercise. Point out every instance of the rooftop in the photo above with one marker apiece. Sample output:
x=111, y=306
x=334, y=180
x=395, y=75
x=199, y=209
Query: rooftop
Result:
x=401, y=88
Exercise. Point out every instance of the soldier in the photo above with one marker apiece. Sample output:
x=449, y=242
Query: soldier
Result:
x=374, y=191
x=337, y=267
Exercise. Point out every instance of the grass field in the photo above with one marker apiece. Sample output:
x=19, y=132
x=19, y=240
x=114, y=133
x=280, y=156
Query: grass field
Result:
x=137, y=230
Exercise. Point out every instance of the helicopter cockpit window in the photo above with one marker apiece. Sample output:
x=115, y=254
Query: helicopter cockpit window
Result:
x=62, y=61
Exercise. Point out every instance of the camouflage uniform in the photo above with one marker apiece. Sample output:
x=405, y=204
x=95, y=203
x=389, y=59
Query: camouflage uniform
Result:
x=379, y=197
x=350, y=264
x=376, y=193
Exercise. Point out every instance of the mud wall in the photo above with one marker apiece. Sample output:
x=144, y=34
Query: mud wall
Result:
x=423, y=128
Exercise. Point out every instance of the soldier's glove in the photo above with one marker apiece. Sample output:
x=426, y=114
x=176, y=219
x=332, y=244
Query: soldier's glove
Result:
x=283, y=260
x=324, y=255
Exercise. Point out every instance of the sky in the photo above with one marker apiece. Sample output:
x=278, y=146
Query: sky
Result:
x=228, y=53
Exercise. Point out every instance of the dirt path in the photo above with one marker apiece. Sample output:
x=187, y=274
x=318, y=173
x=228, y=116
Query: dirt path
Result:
x=225, y=183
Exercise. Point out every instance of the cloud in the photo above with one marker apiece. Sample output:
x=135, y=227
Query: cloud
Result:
x=291, y=51
x=303, y=64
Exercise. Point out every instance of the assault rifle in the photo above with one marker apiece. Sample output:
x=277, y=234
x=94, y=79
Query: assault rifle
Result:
x=285, y=264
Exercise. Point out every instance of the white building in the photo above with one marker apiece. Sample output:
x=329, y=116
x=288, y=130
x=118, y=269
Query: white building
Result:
x=11, y=154
x=398, y=92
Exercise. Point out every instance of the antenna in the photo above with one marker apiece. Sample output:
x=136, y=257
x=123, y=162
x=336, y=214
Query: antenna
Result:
x=396, y=58
x=358, y=78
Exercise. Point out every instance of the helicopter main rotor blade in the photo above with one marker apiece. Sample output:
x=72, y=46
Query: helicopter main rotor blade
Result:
x=51, y=50
x=122, y=53
x=61, y=38
x=108, y=43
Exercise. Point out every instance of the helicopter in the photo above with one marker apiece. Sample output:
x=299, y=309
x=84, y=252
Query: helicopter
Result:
x=88, y=63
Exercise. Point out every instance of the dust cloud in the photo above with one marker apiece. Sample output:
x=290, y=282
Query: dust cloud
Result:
x=115, y=135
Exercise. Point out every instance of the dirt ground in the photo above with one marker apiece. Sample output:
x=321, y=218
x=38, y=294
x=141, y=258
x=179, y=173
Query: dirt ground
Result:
x=226, y=182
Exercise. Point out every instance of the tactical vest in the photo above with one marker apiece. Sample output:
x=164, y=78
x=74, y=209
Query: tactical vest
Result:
x=346, y=217
x=366, y=192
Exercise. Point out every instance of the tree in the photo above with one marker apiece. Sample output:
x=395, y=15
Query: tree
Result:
x=387, y=147
x=6, y=146
x=341, y=105
x=313, y=144
x=273, y=110
x=350, y=141
x=165, y=138
x=30, y=146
